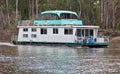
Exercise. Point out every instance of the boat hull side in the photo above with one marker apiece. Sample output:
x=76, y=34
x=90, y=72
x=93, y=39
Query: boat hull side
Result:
x=102, y=44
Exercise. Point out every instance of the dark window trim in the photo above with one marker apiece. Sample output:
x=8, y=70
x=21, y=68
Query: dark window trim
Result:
x=43, y=30
x=68, y=31
x=25, y=29
x=34, y=29
x=33, y=35
x=55, y=30
x=25, y=35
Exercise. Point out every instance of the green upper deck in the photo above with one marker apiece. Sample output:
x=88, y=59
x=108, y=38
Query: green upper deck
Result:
x=58, y=17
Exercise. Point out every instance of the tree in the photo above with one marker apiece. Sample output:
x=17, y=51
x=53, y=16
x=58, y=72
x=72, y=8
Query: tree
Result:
x=16, y=11
x=104, y=13
x=7, y=9
x=36, y=2
x=116, y=5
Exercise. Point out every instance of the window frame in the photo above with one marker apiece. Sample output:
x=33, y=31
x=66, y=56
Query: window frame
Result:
x=25, y=29
x=43, y=31
x=68, y=31
x=25, y=35
x=91, y=32
x=33, y=35
x=55, y=31
x=34, y=29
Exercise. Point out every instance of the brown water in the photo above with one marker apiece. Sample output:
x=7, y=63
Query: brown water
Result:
x=58, y=60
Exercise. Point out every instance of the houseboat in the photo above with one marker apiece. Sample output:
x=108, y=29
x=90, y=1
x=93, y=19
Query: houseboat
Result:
x=59, y=27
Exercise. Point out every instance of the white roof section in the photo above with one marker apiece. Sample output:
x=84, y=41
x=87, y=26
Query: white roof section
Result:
x=58, y=12
x=69, y=26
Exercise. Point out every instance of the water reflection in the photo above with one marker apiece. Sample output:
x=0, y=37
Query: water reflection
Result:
x=58, y=60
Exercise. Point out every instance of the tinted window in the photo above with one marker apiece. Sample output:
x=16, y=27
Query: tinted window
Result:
x=25, y=29
x=55, y=30
x=43, y=31
x=33, y=29
x=33, y=36
x=68, y=31
x=25, y=35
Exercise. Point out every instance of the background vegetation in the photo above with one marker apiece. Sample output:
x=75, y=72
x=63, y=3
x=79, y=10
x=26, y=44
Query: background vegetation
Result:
x=104, y=13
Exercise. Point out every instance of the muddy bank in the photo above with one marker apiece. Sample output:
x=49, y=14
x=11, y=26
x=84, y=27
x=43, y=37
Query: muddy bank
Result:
x=115, y=42
x=5, y=35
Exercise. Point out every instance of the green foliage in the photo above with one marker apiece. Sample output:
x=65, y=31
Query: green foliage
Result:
x=118, y=25
x=23, y=8
x=89, y=10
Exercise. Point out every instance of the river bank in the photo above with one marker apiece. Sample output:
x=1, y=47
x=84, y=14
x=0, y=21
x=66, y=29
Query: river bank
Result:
x=5, y=35
x=115, y=42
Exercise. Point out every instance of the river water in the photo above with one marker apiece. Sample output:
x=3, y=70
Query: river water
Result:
x=26, y=59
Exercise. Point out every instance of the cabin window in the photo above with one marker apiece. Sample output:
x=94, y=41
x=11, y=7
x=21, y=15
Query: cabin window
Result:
x=86, y=32
x=83, y=32
x=91, y=32
x=25, y=35
x=68, y=16
x=33, y=29
x=25, y=29
x=78, y=32
x=55, y=30
x=50, y=17
x=68, y=31
x=43, y=31
x=33, y=36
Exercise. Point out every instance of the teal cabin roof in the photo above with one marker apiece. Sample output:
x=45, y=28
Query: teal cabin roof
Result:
x=57, y=22
x=58, y=12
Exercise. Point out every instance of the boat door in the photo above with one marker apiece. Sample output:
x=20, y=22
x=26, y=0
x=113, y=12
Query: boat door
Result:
x=79, y=35
x=83, y=33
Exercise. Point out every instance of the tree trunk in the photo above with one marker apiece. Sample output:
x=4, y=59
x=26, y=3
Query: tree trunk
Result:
x=3, y=19
x=113, y=16
x=36, y=9
x=102, y=12
x=106, y=15
x=33, y=6
x=67, y=2
x=29, y=8
x=8, y=18
x=16, y=10
x=48, y=2
x=80, y=8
